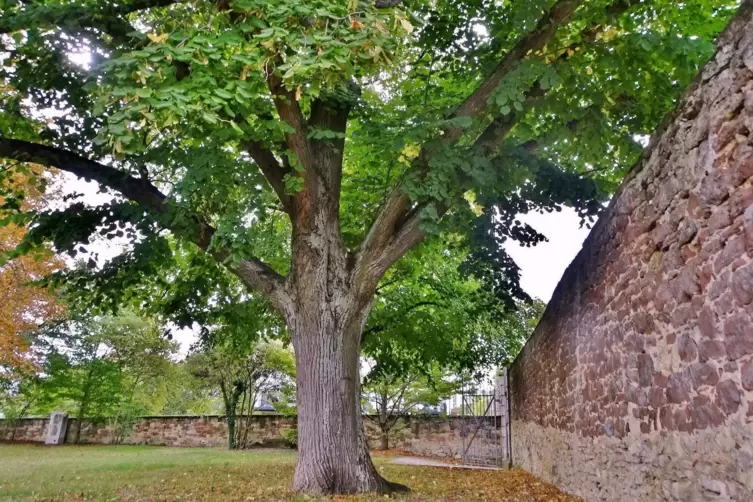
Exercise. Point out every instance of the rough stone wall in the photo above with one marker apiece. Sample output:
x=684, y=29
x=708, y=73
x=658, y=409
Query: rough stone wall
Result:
x=431, y=436
x=178, y=431
x=638, y=382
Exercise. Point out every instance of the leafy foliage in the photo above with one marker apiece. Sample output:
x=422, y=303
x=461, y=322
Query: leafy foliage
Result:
x=245, y=377
x=429, y=314
x=23, y=306
x=177, y=92
x=94, y=367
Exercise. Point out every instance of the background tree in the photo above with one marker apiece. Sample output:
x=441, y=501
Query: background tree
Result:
x=432, y=329
x=244, y=376
x=23, y=306
x=429, y=313
x=96, y=367
x=397, y=395
x=308, y=146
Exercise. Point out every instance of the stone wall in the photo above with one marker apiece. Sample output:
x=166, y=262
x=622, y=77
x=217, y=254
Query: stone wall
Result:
x=638, y=382
x=431, y=436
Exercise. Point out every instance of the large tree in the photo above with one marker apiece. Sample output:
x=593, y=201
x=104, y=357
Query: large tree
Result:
x=308, y=145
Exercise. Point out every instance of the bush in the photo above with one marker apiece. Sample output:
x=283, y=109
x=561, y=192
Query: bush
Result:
x=290, y=437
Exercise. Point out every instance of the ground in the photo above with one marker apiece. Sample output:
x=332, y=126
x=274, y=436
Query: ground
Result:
x=144, y=473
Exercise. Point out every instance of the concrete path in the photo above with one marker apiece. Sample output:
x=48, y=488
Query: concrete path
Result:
x=430, y=462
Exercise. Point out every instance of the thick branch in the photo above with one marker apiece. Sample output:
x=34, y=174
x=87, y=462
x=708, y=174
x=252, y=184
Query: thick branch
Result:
x=379, y=252
x=495, y=133
x=478, y=102
x=491, y=138
x=135, y=189
x=387, y=226
x=272, y=170
x=255, y=273
x=386, y=4
x=290, y=113
x=331, y=113
x=382, y=230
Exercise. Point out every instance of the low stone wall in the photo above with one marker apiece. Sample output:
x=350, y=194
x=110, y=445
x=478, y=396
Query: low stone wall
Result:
x=637, y=383
x=431, y=436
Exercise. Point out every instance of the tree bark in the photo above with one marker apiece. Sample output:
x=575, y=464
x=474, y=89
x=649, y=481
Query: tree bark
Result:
x=326, y=322
x=384, y=441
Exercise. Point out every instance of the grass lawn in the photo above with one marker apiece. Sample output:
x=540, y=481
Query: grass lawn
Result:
x=145, y=473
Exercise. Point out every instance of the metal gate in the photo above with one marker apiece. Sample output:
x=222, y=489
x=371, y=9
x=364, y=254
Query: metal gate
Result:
x=486, y=425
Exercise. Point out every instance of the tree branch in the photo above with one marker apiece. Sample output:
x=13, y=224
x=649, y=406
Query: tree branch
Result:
x=330, y=113
x=547, y=26
x=388, y=227
x=136, y=189
x=272, y=170
x=386, y=4
x=290, y=113
x=252, y=271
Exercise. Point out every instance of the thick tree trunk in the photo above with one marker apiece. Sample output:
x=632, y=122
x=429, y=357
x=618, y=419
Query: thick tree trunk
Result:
x=329, y=300
x=333, y=455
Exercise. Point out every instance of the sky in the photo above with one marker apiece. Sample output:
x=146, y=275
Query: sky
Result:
x=542, y=266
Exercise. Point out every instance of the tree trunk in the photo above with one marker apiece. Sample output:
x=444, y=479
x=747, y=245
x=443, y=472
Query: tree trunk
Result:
x=333, y=455
x=231, y=410
x=330, y=297
x=384, y=441
x=82, y=409
x=230, y=430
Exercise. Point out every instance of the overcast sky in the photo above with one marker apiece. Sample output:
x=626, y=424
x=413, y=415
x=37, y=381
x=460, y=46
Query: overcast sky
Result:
x=543, y=265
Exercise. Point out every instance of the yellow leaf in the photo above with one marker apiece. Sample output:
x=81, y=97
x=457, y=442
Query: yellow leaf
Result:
x=298, y=93
x=157, y=39
x=411, y=151
x=470, y=196
x=406, y=25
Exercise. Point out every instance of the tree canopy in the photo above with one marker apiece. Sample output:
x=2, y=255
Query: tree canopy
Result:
x=204, y=114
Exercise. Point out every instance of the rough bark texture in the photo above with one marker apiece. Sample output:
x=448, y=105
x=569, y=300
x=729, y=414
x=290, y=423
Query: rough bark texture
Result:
x=333, y=455
x=326, y=317
x=638, y=382
x=332, y=452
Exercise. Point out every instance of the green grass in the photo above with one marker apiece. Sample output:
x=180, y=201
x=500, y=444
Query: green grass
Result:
x=144, y=473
